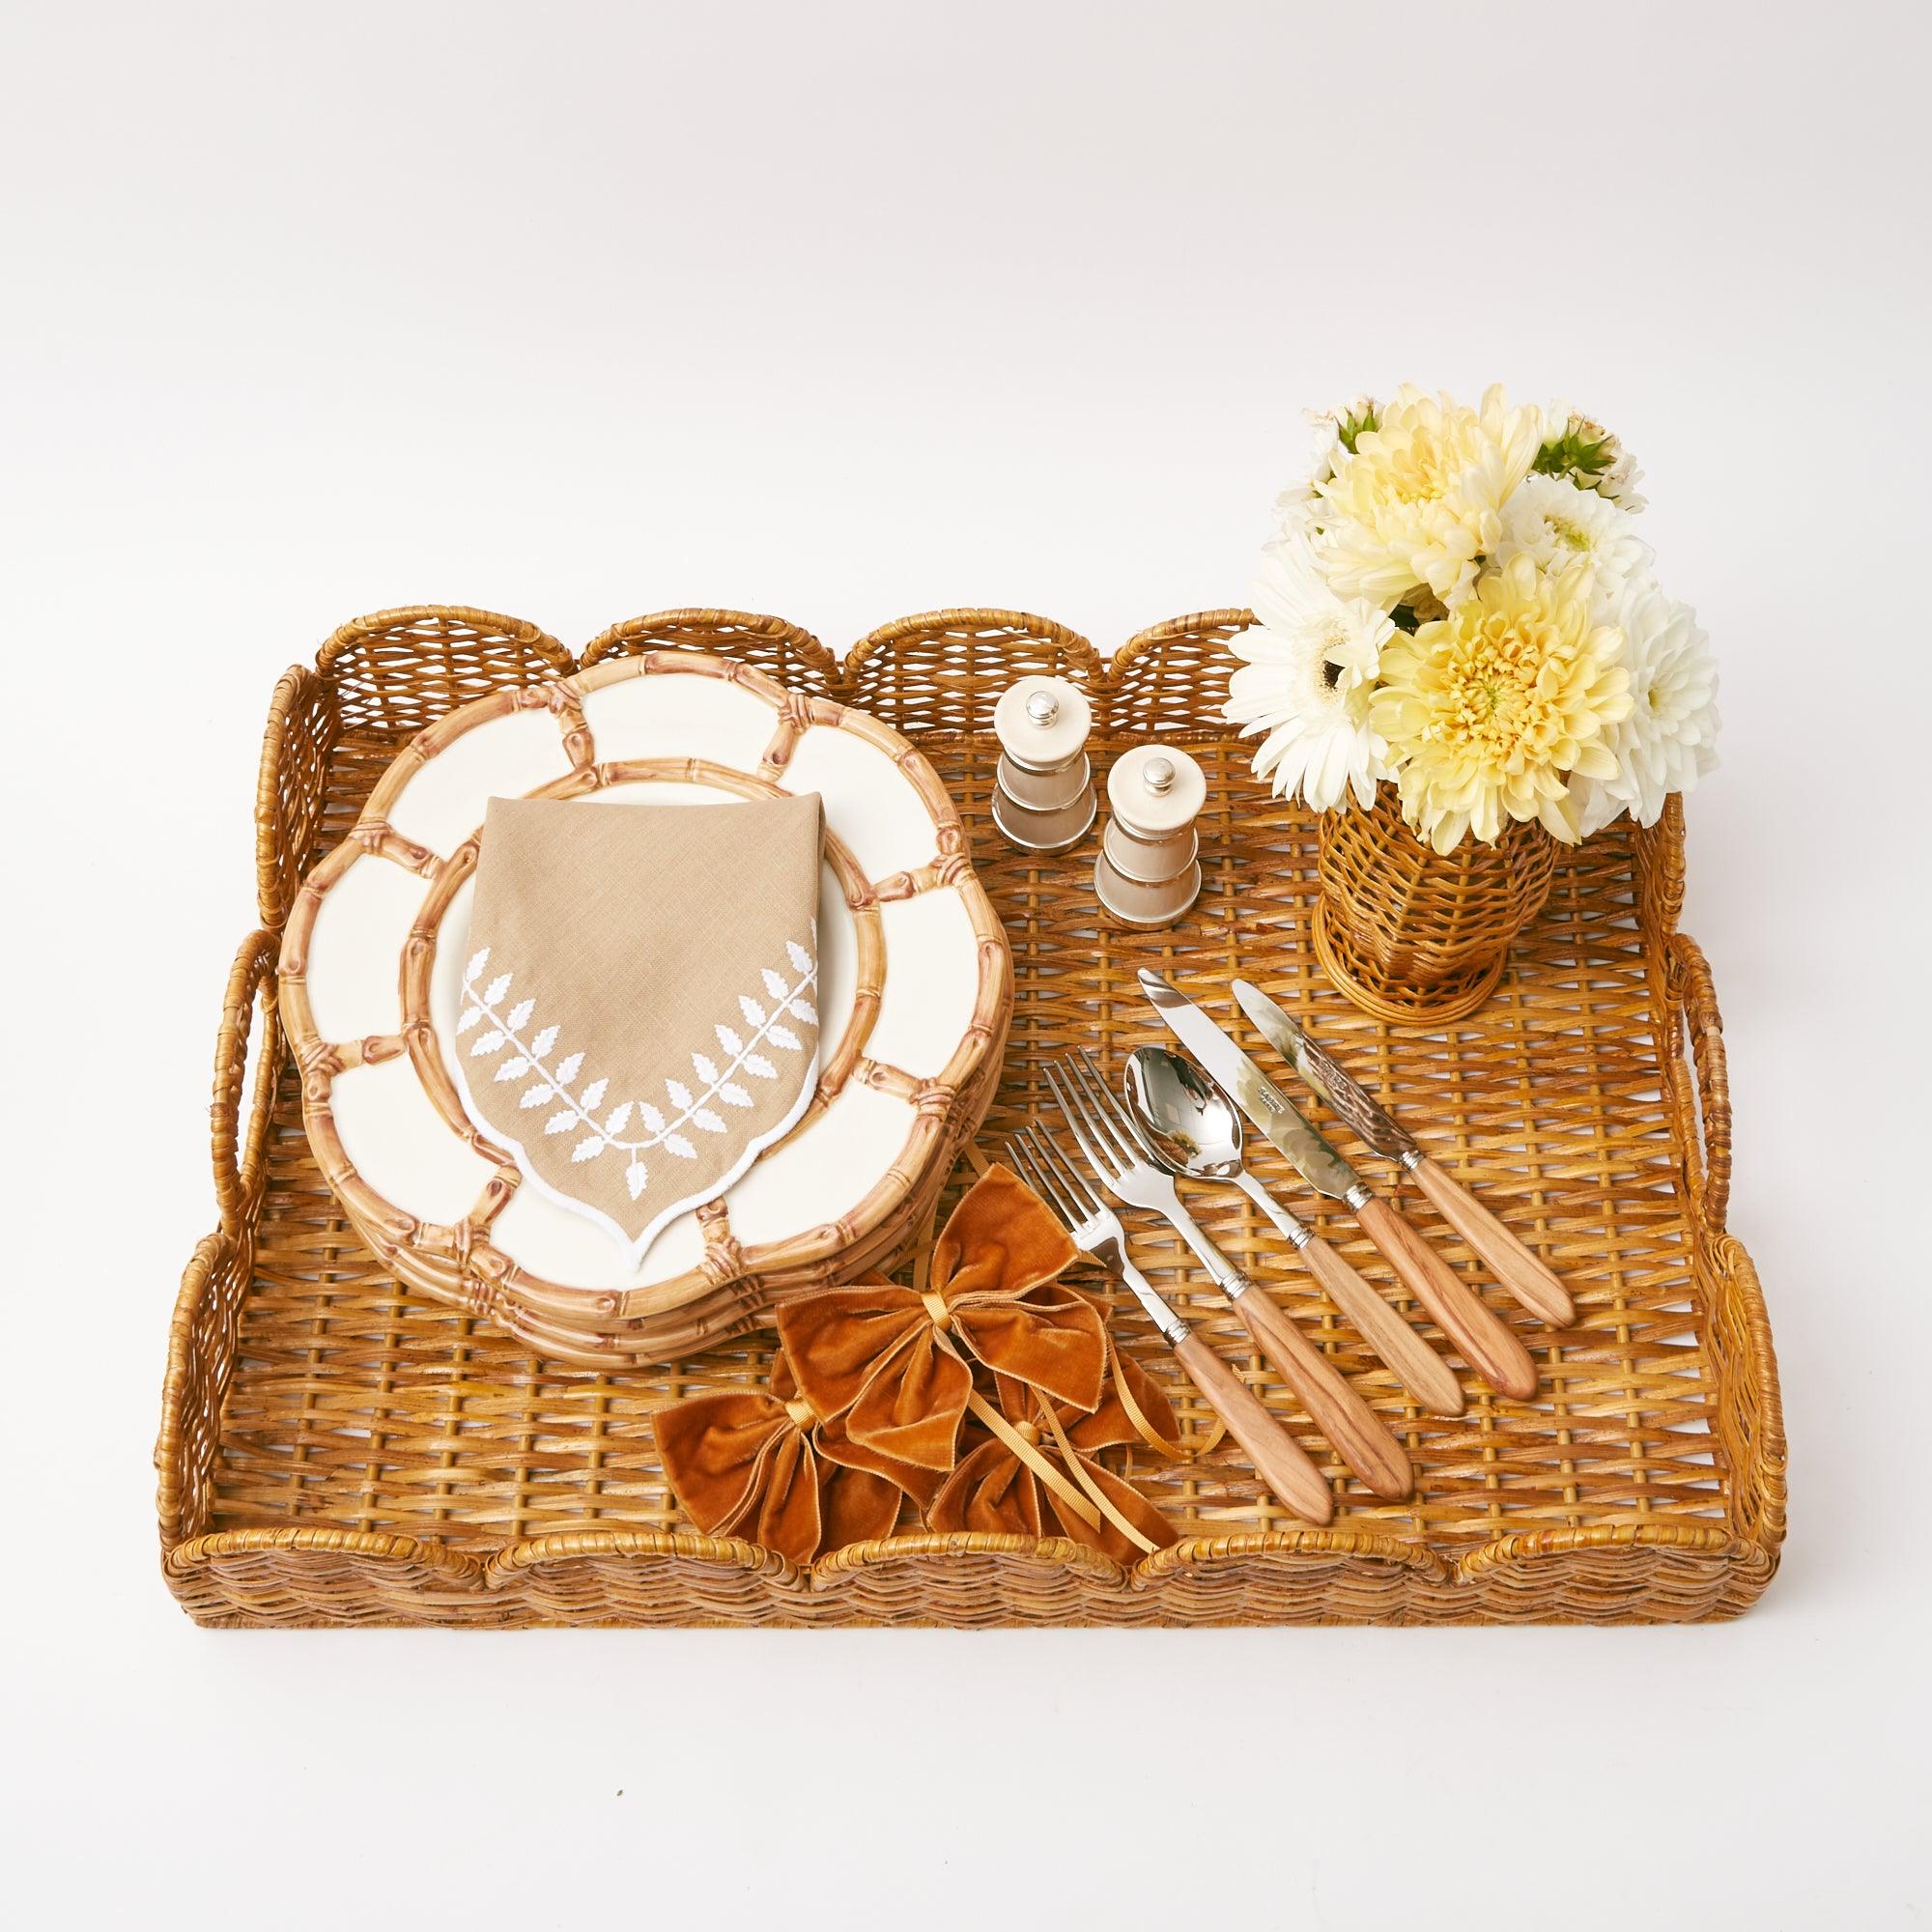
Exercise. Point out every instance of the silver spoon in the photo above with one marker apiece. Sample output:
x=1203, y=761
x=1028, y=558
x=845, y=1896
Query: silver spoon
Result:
x=1187, y=1123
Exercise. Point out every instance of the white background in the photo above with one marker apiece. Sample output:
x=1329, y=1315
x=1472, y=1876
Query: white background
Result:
x=577, y=313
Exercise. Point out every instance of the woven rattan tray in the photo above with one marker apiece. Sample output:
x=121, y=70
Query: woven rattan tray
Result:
x=336, y=1449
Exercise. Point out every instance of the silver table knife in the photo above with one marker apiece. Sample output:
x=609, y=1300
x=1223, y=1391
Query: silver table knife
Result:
x=1487, y=1344
x=1518, y=1271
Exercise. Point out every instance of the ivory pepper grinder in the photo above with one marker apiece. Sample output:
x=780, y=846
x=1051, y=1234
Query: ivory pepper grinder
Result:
x=1043, y=796
x=1148, y=870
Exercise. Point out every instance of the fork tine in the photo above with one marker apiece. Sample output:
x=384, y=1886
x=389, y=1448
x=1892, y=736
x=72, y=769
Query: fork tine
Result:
x=1112, y=1116
x=1073, y=1110
x=1070, y=1176
x=1068, y=1199
x=1020, y=1150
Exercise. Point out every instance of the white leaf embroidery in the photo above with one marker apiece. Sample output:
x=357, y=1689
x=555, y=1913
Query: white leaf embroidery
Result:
x=695, y=1110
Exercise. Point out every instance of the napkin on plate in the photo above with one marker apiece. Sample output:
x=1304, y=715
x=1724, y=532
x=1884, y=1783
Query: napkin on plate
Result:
x=639, y=1011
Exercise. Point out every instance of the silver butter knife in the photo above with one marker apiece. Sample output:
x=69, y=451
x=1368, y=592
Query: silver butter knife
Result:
x=1518, y=1271
x=1485, y=1340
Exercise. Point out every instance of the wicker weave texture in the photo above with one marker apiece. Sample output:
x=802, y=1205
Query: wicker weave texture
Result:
x=337, y=1449
x=1415, y=936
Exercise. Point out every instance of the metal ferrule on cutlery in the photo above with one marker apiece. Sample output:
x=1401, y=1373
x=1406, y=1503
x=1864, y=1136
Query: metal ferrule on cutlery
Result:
x=1518, y=1271
x=1487, y=1344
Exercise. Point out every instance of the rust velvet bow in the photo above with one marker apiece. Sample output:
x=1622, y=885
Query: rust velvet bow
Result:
x=892, y=1363
x=993, y=1488
x=760, y=1464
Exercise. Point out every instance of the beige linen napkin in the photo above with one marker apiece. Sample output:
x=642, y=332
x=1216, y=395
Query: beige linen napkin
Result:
x=639, y=1009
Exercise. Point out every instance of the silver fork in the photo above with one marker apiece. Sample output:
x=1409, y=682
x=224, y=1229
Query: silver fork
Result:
x=1099, y=1123
x=1281, y=1460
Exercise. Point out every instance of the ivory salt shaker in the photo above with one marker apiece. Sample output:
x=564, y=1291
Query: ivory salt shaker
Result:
x=1148, y=871
x=1043, y=796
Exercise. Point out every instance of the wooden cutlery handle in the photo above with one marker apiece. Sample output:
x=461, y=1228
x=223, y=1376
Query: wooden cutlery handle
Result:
x=1279, y=1459
x=1426, y=1376
x=1486, y=1343
x=1350, y=1424
x=1518, y=1271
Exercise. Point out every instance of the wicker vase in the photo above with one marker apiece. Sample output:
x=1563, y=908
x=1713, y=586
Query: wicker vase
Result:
x=1413, y=937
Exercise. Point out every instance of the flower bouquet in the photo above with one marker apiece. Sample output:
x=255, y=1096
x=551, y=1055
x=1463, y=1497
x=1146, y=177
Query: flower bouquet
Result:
x=1461, y=655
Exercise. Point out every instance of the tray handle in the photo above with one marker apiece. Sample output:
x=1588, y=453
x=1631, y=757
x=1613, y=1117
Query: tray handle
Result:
x=239, y=1156
x=303, y=728
x=1694, y=997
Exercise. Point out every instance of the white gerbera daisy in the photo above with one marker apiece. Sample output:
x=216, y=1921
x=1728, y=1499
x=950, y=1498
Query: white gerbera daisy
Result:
x=1308, y=672
x=1669, y=740
x=1552, y=523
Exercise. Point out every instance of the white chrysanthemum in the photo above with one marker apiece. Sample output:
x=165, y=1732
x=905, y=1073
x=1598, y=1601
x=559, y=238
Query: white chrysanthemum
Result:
x=1552, y=523
x=1668, y=741
x=1420, y=500
x=1611, y=470
x=1307, y=675
x=1335, y=435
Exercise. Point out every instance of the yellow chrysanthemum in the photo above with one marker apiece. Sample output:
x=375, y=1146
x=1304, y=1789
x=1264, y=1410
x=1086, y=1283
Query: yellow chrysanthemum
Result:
x=1487, y=712
x=1420, y=499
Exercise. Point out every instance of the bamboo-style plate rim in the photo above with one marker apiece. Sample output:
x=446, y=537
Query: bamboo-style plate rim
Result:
x=460, y=1263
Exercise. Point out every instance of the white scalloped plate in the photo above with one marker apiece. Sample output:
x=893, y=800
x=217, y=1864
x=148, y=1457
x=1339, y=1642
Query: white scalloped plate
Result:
x=702, y=731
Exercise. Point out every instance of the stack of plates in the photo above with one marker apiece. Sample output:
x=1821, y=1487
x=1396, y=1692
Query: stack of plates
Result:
x=915, y=992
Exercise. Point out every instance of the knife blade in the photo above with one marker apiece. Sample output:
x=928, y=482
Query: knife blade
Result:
x=1253, y=1092
x=1524, y=1274
x=1484, y=1342
x=1486, y=1345
x=1346, y=1097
